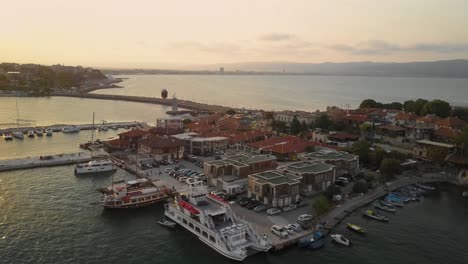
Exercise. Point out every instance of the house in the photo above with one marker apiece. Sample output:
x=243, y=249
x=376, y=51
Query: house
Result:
x=274, y=187
x=342, y=139
x=424, y=148
x=236, y=168
x=316, y=176
x=161, y=148
x=392, y=133
x=405, y=119
x=344, y=162
x=451, y=122
x=302, y=116
x=196, y=145
x=445, y=134
x=132, y=137
x=284, y=148
x=423, y=127
x=116, y=144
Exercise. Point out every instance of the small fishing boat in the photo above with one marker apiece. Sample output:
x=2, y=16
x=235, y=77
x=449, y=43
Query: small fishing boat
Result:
x=18, y=135
x=383, y=202
x=167, y=223
x=371, y=214
x=398, y=198
x=48, y=132
x=30, y=133
x=7, y=136
x=39, y=132
x=340, y=239
x=384, y=208
x=394, y=203
x=312, y=241
x=425, y=187
x=356, y=228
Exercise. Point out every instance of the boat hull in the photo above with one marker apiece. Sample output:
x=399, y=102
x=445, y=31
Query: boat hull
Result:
x=88, y=170
x=135, y=205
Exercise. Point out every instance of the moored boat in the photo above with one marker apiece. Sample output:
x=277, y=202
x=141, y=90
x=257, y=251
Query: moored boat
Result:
x=133, y=194
x=384, y=208
x=425, y=187
x=356, y=228
x=371, y=214
x=7, y=136
x=312, y=241
x=18, y=135
x=340, y=239
x=95, y=166
x=71, y=129
x=48, y=132
x=167, y=223
x=39, y=132
x=30, y=133
x=393, y=202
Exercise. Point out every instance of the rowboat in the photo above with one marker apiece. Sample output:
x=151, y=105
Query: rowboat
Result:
x=340, y=239
x=371, y=214
x=384, y=208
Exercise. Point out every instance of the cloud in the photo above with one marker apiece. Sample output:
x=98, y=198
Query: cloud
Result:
x=381, y=47
x=276, y=37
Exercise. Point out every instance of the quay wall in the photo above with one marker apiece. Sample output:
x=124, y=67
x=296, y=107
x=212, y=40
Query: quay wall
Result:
x=59, y=127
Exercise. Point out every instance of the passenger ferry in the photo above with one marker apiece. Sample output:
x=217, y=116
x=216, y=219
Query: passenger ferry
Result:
x=212, y=220
x=95, y=166
x=133, y=194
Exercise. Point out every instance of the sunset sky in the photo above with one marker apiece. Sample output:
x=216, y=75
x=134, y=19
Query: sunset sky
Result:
x=151, y=33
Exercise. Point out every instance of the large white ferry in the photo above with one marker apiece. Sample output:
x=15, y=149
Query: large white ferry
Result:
x=133, y=194
x=212, y=220
x=94, y=166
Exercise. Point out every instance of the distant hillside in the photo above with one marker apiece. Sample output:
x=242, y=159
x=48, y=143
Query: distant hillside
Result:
x=448, y=68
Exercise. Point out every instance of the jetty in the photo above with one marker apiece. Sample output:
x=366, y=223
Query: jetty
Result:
x=59, y=127
x=185, y=104
x=48, y=161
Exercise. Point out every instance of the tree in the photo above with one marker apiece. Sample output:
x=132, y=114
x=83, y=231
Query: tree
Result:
x=389, y=167
x=296, y=126
x=365, y=129
x=437, y=154
x=186, y=121
x=231, y=112
x=321, y=205
x=310, y=149
x=462, y=140
x=331, y=191
x=360, y=187
x=278, y=126
x=368, y=103
x=461, y=113
x=415, y=107
x=361, y=148
x=437, y=107
x=323, y=122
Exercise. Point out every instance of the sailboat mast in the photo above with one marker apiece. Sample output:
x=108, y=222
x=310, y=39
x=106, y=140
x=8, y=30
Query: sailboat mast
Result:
x=92, y=131
x=17, y=114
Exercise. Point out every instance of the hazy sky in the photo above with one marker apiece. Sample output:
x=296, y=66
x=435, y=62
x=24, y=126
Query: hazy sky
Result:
x=152, y=33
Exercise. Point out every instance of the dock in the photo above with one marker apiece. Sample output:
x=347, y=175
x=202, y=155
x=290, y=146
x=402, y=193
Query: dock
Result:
x=59, y=127
x=48, y=161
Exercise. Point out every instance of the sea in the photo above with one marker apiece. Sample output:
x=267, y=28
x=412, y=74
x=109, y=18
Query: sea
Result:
x=49, y=215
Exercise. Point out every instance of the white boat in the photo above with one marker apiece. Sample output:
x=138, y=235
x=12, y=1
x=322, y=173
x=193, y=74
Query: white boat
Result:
x=48, y=132
x=7, y=136
x=95, y=166
x=212, y=220
x=30, y=133
x=18, y=135
x=425, y=187
x=167, y=223
x=465, y=194
x=340, y=239
x=39, y=132
x=71, y=129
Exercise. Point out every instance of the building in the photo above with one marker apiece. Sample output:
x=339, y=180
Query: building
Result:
x=132, y=137
x=234, y=169
x=423, y=127
x=284, y=148
x=424, y=147
x=405, y=119
x=451, y=122
x=161, y=148
x=392, y=133
x=170, y=122
x=274, y=187
x=344, y=162
x=196, y=145
x=315, y=175
x=303, y=117
x=342, y=139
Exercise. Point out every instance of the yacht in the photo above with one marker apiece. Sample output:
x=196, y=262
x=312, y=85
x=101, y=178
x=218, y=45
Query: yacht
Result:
x=7, y=136
x=70, y=129
x=133, y=194
x=18, y=135
x=212, y=220
x=48, y=132
x=95, y=166
x=30, y=133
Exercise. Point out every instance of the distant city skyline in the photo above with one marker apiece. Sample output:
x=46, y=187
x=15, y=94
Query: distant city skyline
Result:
x=190, y=34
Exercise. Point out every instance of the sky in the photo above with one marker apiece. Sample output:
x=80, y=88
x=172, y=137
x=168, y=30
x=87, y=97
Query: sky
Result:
x=174, y=33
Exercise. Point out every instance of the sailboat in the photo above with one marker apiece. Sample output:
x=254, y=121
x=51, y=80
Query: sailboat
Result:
x=17, y=134
x=97, y=165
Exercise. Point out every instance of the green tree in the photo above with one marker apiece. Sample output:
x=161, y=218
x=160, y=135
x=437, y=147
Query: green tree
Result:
x=278, y=126
x=395, y=105
x=437, y=107
x=323, y=122
x=186, y=121
x=321, y=205
x=437, y=154
x=462, y=140
x=461, y=113
x=389, y=167
x=361, y=148
x=231, y=112
x=415, y=106
x=365, y=129
x=368, y=103
x=331, y=191
x=296, y=126
x=360, y=187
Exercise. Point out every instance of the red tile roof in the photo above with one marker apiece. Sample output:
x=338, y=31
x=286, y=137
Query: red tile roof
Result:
x=117, y=143
x=446, y=132
x=133, y=133
x=451, y=122
x=391, y=127
x=427, y=119
x=406, y=116
x=356, y=118
x=161, y=142
x=343, y=136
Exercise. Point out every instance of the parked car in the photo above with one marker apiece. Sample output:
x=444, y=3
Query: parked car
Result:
x=304, y=217
x=289, y=207
x=260, y=208
x=244, y=201
x=182, y=179
x=253, y=204
x=273, y=211
x=279, y=231
x=167, y=170
x=294, y=227
x=190, y=180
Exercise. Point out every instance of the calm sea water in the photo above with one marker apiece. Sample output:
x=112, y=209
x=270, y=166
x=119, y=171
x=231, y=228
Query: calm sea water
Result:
x=293, y=92
x=51, y=216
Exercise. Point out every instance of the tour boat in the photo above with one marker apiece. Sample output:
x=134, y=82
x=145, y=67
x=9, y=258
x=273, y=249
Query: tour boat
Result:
x=133, y=194
x=30, y=133
x=340, y=239
x=371, y=214
x=94, y=166
x=211, y=219
x=71, y=129
x=356, y=228
x=7, y=136
x=18, y=135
